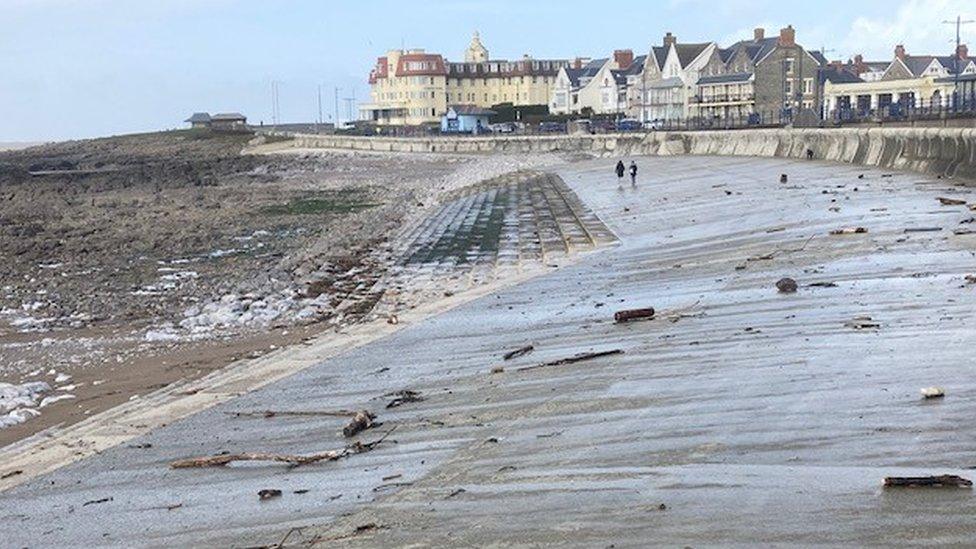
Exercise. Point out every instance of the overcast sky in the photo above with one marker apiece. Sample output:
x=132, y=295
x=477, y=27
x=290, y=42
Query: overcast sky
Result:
x=83, y=68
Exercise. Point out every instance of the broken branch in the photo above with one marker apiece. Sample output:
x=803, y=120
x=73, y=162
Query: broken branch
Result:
x=521, y=351
x=293, y=460
x=941, y=481
x=572, y=359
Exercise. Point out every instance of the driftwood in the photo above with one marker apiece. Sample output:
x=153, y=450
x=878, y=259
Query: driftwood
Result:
x=360, y=422
x=274, y=413
x=951, y=201
x=293, y=460
x=403, y=397
x=572, y=359
x=521, y=351
x=941, y=481
x=633, y=314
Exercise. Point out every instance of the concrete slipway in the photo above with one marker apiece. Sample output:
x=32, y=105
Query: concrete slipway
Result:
x=738, y=416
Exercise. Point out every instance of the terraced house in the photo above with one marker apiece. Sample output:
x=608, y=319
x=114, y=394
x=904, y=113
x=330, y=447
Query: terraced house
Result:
x=414, y=87
x=906, y=81
x=600, y=86
x=670, y=76
x=772, y=78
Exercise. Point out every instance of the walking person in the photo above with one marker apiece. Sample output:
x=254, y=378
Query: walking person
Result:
x=633, y=173
x=620, y=172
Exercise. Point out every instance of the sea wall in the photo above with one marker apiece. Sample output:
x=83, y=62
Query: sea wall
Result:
x=946, y=152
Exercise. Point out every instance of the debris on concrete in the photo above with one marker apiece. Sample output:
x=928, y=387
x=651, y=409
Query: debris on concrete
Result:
x=950, y=201
x=521, y=351
x=573, y=359
x=292, y=460
x=783, y=178
x=862, y=323
x=629, y=315
x=403, y=397
x=269, y=493
x=97, y=501
x=933, y=392
x=822, y=285
x=941, y=481
x=849, y=230
x=267, y=414
x=360, y=422
x=923, y=229
x=786, y=285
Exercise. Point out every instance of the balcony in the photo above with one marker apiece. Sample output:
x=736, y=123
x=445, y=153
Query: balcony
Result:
x=719, y=99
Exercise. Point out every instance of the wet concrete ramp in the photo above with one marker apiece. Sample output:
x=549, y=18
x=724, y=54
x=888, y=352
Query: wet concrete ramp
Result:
x=739, y=416
x=515, y=218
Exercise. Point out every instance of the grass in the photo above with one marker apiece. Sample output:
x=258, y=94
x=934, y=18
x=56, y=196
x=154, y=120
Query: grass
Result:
x=339, y=202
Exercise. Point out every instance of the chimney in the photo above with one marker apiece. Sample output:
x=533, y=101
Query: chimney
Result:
x=759, y=34
x=900, y=52
x=577, y=63
x=623, y=58
x=962, y=52
x=787, y=36
x=670, y=39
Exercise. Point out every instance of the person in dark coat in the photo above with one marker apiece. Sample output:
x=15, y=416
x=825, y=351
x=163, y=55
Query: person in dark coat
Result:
x=633, y=173
x=620, y=172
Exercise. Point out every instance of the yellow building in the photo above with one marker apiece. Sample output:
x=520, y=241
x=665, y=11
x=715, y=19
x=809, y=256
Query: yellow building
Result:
x=414, y=87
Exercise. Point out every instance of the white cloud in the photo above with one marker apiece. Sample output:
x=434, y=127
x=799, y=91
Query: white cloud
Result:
x=918, y=24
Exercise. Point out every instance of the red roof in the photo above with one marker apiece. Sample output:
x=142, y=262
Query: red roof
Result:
x=421, y=64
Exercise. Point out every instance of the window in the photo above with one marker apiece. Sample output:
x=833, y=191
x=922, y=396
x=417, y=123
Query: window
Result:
x=789, y=87
x=788, y=64
x=807, y=86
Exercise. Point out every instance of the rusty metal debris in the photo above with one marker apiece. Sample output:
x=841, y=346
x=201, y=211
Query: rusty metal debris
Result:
x=292, y=460
x=521, y=351
x=941, y=481
x=360, y=422
x=633, y=314
x=403, y=397
x=576, y=358
x=786, y=285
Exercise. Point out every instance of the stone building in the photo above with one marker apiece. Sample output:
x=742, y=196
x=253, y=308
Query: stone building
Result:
x=415, y=87
x=774, y=77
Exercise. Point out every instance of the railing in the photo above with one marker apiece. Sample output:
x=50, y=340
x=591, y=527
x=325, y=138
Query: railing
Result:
x=722, y=98
x=905, y=110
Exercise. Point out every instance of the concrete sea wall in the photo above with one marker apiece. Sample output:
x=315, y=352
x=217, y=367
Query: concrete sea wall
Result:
x=946, y=152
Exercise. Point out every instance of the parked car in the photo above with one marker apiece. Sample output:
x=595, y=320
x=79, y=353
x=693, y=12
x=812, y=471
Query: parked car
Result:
x=629, y=125
x=503, y=127
x=552, y=127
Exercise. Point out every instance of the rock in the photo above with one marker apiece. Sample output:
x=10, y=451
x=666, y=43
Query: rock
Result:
x=786, y=286
x=933, y=392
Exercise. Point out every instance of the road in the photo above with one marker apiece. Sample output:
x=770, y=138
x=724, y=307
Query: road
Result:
x=738, y=415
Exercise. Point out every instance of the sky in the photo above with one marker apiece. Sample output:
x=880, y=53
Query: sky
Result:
x=85, y=68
